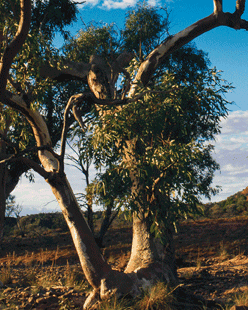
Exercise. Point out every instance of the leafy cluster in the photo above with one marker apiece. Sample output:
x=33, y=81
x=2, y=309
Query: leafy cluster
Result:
x=161, y=143
x=158, y=145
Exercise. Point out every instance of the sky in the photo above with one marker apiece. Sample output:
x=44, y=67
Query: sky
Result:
x=227, y=50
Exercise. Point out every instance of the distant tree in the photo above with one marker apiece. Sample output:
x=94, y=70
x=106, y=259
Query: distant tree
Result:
x=102, y=77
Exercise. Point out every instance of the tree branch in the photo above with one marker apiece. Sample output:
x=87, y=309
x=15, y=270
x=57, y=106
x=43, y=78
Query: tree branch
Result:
x=172, y=43
x=35, y=166
x=29, y=150
x=12, y=49
x=65, y=129
x=68, y=70
x=240, y=7
x=217, y=6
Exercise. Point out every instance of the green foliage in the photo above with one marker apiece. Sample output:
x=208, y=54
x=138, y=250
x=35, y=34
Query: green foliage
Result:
x=159, y=145
x=46, y=220
x=163, y=144
x=93, y=39
x=139, y=35
x=48, y=17
x=53, y=16
x=36, y=224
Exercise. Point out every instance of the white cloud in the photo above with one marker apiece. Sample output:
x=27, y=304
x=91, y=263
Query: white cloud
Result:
x=88, y=2
x=231, y=152
x=235, y=123
x=123, y=4
x=118, y=4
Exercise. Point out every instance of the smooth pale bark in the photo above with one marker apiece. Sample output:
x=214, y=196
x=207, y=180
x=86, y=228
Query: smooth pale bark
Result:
x=93, y=264
x=173, y=43
x=143, y=252
x=168, y=46
x=145, y=258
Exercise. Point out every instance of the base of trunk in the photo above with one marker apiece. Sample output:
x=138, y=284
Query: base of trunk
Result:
x=131, y=284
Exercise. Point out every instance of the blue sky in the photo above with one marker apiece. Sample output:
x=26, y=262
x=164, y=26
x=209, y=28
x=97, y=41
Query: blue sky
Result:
x=227, y=50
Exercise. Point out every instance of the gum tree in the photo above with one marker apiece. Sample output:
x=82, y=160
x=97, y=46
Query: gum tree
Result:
x=101, y=78
x=46, y=18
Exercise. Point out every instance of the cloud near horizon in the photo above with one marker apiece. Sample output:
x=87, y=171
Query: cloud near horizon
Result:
x=231, y=152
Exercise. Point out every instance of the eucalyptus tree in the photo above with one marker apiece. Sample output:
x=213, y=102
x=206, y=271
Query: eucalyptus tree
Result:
x=101, y=78
x=47, y=18
x=163, y=122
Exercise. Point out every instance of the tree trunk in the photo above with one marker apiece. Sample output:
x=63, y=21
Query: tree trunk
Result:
x=99, y=274
x=3, y=178
x=144, y=253
x=89, y=199
x=2, y=198
x=145, y=260
x=107, y=220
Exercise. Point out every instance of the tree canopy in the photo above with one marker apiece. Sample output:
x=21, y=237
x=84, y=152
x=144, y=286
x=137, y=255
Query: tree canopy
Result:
x=177, y=154
x=161, y=141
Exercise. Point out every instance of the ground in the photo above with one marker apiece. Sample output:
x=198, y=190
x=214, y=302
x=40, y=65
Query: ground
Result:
x=43, y=272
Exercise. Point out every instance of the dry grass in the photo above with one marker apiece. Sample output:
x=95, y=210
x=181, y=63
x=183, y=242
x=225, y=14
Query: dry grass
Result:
x=241, y=298
x=159, y=296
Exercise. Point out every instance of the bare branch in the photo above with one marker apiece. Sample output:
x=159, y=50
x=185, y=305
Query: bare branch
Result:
x=29, y=150
x=35, y=166
x=74, y=100
x=47, y=157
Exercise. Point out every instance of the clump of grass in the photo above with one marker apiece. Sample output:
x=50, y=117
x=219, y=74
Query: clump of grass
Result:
x=73, y=277
x=5, y=274
x=65, y=304
x=30, y=278
x=223, y=253
x=159, y=296
x=241, y=298
x=116, y=304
